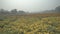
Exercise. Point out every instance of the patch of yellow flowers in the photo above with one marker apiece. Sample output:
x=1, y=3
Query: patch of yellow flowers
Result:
x=25, y=26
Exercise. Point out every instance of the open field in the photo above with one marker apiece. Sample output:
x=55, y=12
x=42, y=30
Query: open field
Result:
x=30, y=24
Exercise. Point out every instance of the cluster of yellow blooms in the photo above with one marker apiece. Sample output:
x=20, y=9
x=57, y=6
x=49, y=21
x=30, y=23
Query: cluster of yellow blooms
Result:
x=30, y=25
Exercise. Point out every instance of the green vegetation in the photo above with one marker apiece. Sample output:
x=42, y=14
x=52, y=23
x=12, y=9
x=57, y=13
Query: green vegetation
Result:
x=29, y=25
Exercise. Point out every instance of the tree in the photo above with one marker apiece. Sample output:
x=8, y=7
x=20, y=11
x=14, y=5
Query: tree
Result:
x=2, y=11
x=57, y=8
x=14, y=11
x=21, y=12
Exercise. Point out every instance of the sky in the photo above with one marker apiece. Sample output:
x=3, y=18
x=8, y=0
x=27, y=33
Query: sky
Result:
x=29, y=5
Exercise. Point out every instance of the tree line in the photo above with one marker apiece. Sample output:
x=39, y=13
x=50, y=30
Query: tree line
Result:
x=15, y=12
x=12, y=12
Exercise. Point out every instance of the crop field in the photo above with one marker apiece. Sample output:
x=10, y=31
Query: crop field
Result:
x=29, y=24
